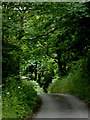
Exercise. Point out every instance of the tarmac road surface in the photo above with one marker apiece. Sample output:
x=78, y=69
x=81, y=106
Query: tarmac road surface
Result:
x=61, y=106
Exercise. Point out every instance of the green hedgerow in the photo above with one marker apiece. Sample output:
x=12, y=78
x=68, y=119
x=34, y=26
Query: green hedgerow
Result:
x=18, y=99
x=75, y=83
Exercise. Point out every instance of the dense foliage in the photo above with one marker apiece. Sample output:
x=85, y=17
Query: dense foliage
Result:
x=76, y=82
x=44, y=31
x=42, y=41
x=20, y=98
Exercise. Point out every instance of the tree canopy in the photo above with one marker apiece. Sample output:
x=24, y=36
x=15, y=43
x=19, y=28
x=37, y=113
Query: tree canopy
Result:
x=43, y=38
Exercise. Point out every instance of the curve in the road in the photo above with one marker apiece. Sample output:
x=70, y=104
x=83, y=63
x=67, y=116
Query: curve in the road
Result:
x=61, y=106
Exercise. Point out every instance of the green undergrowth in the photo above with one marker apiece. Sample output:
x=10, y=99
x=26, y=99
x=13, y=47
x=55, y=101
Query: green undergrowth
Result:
x=19, y=98
x=75, y=83
x=0, y=103
x=35, y=86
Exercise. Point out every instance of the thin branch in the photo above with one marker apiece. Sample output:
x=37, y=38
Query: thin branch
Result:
x=19, y=10
x=28, y=17
x=52, y=58
x=43, y=34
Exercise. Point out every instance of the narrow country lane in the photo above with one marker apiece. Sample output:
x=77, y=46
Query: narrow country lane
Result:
x=61, y=106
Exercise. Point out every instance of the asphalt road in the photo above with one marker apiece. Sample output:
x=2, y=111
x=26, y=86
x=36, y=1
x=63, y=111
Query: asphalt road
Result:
x=61, y=106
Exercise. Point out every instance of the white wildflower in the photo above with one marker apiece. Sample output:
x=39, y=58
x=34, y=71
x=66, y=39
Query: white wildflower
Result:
x=8, y=93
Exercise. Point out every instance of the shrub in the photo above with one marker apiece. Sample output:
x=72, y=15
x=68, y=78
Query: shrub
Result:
x=36, y=86
x=18, y=98
x=76, y=82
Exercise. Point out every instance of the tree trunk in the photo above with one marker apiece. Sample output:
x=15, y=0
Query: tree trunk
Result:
x=60, y=67
x=21, y=30
x=39, y=78
x=60, y=64
x=36, y=72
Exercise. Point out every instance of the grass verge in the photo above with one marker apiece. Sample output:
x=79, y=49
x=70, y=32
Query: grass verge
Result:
x=19, y=99
x=75, y=83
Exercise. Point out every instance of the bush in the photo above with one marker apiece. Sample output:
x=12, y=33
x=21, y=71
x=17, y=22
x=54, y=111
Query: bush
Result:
x=76, y=82
x=18, y=98
x=0, y=104
x=36, y=86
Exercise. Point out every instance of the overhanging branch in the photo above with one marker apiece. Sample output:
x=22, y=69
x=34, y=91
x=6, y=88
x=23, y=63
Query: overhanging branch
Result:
x=43, y=34
x=52, y=58
x=28, y=17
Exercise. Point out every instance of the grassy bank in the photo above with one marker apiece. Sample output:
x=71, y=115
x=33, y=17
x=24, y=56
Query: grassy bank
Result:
x=19, y=98
x=75, y=83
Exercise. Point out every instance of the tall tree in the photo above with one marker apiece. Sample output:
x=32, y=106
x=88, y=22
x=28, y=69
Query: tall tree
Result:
x=51, y=30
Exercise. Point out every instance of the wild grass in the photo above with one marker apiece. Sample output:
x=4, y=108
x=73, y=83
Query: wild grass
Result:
x=19, y=99
x=75, y=83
